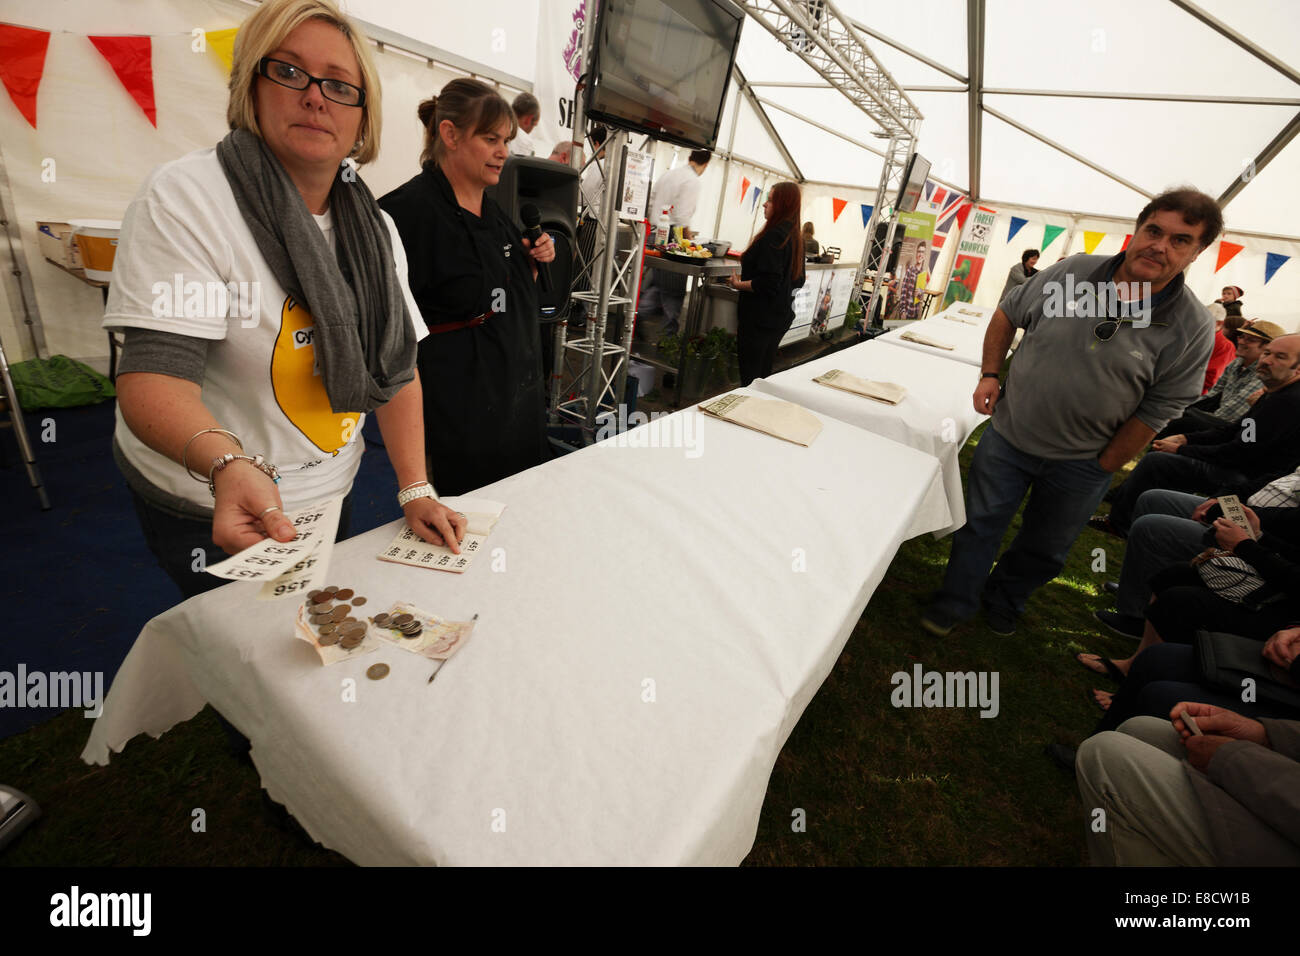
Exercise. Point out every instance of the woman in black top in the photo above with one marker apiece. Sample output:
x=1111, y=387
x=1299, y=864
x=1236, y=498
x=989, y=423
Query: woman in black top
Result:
x=770, y=270
x=473, y=276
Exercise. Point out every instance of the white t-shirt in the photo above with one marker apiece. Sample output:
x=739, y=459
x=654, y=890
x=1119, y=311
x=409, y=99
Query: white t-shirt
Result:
x=187, y=263
x=679, y=188
x=522, y=144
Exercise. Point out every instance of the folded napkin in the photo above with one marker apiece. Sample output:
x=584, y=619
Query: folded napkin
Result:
x=921, y=338
x=886, y=392
x=770, y=416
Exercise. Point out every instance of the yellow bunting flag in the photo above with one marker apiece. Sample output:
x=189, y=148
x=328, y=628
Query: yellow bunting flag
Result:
x=221, y=43
x=1090, y=240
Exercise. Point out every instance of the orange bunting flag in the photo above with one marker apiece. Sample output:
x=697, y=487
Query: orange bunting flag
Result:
x=1126, y=239
x=744, y=187
x=131, y=58
x=837, y=207
x=1226, y=251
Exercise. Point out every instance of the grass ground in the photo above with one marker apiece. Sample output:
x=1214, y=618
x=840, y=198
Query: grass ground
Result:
x=879, y=786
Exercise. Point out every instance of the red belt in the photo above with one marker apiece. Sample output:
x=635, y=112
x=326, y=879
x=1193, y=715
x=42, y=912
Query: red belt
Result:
x=455, y=326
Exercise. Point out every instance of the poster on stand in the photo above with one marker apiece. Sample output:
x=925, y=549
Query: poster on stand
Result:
x=971, y=252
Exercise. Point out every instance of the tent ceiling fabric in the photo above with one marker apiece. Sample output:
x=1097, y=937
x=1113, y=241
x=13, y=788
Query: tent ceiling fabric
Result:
x=1103, y=46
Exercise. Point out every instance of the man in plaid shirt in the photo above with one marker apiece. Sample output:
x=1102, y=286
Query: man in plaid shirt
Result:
x=1237, y=389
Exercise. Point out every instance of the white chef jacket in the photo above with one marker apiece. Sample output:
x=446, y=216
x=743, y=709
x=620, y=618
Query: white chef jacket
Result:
x=679, y=188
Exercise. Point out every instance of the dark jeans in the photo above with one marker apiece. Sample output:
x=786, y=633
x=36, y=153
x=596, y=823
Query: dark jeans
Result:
x=1163, y=533
x=1062, y=495
x=1167, y=674
x=1159, y=469
x=756, y=351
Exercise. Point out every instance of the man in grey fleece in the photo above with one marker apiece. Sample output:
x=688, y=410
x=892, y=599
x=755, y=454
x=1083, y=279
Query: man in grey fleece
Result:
x=1230, y=797
x=1114, y=348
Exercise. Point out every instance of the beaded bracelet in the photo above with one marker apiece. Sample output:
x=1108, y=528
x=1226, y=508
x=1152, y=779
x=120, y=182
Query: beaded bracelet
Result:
x=257, y=461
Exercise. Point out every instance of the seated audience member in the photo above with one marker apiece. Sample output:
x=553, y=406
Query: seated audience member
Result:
x=1230, y=797
x=1169, y=527
x=1231, y=299
x=527, y=114
x=1223, y=350
x=1231, y=325
x=1165, y=674
x=1237, y=388
x=1184, y=602
x=1265, y=442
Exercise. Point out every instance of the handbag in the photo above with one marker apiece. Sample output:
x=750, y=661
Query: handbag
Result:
x=1225, y=660
x=1227, y=575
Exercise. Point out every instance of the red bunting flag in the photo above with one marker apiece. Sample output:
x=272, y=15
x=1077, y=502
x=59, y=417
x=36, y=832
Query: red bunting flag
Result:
x=22, y=61
x=1226, y=251
x=132, y=60
x=1126, y=239
x=837, y=207
x=744, y=187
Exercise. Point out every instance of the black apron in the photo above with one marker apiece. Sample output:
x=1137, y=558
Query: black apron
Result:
x=484, y=401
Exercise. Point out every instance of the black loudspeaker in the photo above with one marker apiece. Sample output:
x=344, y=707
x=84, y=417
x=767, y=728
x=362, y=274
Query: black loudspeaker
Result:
x=553, y=189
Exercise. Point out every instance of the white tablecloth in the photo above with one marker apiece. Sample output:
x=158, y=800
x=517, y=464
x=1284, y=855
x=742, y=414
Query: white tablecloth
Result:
x=644, y=648
x=967, y=340
x=936, y=416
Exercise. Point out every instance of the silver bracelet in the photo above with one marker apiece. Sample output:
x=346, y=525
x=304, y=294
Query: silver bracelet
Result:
x=421, y=490
x=186, y=450
x=257, y=461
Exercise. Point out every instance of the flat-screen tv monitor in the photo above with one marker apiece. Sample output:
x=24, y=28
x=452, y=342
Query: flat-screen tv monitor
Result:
x=918, y=168
x=662, y=67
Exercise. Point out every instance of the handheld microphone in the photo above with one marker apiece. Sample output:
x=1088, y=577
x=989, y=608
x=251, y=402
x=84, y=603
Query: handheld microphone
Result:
x=532, y=232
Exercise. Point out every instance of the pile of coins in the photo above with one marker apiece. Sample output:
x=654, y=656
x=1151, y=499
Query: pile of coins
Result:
x=405, y=624
x=334, y=620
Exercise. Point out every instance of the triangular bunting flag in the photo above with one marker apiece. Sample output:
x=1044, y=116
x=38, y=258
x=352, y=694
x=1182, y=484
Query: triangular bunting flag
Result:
x=132, y=60
x=221, y=43
x=837, y=207
x=1226, y=251
x=1017, y=224
x=939, y=195
x=963, y=212
x=22, y=62
x=1272, y=262
x=1049, y=235
x=753, y=198
x=866, y=217
x=1126, y=239
x=929, y=188
x=744, y=187
x=1091, y=239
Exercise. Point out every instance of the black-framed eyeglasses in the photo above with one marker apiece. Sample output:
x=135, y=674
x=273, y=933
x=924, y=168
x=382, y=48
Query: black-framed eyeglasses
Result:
x=296, y=78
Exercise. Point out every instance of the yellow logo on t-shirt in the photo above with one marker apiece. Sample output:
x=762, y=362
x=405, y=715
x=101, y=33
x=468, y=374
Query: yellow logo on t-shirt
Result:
x=298, y=385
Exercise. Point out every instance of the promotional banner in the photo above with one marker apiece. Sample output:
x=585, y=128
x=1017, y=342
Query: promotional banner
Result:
x=971, y=252
x=559, y=64
x=914, y=262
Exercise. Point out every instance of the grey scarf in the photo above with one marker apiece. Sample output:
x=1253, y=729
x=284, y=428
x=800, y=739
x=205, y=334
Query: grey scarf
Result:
x=365, y=346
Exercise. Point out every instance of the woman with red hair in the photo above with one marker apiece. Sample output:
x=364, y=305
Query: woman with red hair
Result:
x=770, y=270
